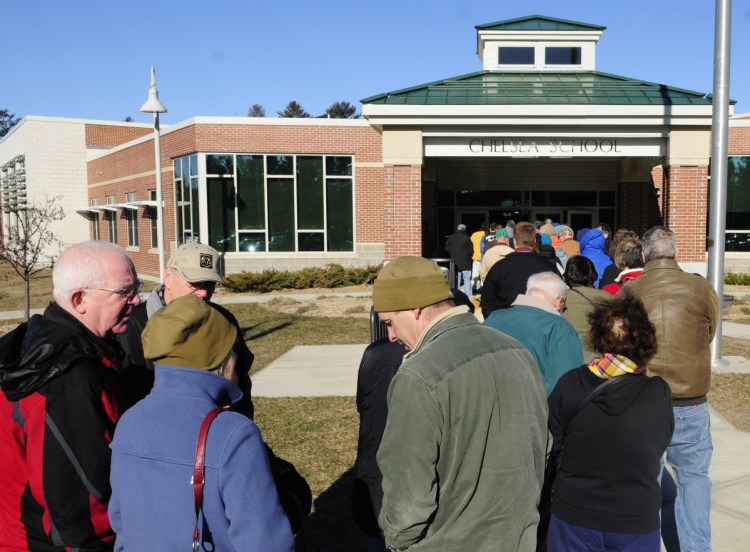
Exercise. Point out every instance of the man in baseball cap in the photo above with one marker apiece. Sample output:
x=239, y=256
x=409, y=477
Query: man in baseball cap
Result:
x=192, y=270
x=465, y=440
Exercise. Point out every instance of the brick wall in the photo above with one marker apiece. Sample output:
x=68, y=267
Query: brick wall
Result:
x=638, y=208
x=402, y=207
x=686, y=194
x=739, y=140
x=113, y=135
x=131, y=169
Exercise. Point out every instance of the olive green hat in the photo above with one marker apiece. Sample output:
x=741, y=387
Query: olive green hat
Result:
x=188, y=332
x=409, y=283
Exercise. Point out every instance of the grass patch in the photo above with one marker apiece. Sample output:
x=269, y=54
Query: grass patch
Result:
x=270, y=334
x=730, y=395
x=319, y=436
x=13, y=291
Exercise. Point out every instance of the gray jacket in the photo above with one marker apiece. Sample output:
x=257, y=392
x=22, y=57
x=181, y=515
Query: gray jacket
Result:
x=464, y=445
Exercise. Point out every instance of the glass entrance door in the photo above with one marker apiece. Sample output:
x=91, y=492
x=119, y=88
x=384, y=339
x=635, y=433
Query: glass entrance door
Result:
x=472, y=218
x=580, y=219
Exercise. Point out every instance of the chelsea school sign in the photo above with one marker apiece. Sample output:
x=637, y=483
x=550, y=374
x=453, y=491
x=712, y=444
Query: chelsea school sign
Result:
x=544, y=147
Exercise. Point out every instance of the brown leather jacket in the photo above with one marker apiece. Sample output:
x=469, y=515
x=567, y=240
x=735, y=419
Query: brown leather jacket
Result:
x=685, y=309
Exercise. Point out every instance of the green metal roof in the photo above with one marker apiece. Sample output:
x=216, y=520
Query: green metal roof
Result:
x=539, y=23
x=563, y=88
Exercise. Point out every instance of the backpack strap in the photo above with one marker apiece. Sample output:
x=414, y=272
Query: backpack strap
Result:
x=199, y=469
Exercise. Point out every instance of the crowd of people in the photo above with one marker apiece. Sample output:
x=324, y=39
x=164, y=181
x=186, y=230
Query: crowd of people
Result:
x=587, y=377
x=545, y=427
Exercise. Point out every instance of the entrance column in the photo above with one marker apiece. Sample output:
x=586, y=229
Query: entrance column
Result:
x=639, y=197
x=686, y=190
x=402, y=204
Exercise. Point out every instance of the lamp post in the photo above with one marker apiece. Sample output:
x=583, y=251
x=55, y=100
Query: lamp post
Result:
x=153, y=105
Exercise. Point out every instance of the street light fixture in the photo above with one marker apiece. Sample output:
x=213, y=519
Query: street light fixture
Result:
x=153, y=105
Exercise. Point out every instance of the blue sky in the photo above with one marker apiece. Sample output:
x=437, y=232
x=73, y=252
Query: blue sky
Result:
x=92, y=59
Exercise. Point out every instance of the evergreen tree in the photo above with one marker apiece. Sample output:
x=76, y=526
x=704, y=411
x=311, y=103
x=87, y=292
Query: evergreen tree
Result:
x=342, y=110
x=256, y=110
x=293, y=110
x=7, y=121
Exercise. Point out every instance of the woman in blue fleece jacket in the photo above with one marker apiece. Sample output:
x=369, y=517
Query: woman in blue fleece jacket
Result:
x=153, y=449
x=592, y=247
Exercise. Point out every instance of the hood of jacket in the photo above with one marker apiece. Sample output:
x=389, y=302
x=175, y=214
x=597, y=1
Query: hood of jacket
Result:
x=155, y=300
x=615, y=399
x=45, y=347
x=594, y=240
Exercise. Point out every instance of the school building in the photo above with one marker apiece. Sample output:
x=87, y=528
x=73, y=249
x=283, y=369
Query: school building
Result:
x=536, y=132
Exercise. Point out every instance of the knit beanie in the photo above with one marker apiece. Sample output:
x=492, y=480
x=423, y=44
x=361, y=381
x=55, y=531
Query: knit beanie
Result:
x=409, y=283
x=501, y=233
x=188, y=332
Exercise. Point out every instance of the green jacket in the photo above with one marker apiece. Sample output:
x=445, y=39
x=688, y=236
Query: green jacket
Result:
x=581, y=301
x=463, y=451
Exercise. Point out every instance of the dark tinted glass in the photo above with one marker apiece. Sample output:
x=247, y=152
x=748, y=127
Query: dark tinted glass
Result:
x=481, y=198
x=580, y=198
x=253, y=243
x=339, y=208
x=280, y=164
x=221, y=235
x=310, y=193
x=562, y=56
x=338, y=166
x=607, y=198
x=515, y=55
x=220, y=164
x=251, y=199
x=281, y=214
x=310, y=241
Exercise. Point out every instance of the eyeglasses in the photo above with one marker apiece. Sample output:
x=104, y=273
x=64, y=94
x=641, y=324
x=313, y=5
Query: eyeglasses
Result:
x=126, y=292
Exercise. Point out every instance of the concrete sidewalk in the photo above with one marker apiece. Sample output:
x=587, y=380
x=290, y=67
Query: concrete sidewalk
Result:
x=327, y=370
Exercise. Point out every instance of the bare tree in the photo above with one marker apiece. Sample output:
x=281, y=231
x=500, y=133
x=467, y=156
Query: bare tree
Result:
x=27, y=239
x=256, y=110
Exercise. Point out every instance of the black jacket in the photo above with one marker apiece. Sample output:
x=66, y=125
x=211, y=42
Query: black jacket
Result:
x=139, y=372
x=460, y=248
x=380, y=362
x=61, y=400
x=507, y=279
x=608, y=478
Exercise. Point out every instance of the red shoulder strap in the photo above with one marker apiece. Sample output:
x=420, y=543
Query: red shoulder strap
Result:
x=199, y=469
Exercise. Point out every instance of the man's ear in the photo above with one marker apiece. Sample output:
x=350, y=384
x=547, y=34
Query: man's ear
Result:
x=77, y=301
x=417, y=313
x=643, y=256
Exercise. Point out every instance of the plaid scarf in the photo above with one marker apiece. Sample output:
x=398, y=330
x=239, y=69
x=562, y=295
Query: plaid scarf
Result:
x=610, y=366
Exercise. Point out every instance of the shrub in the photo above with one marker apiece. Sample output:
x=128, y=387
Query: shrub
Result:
x=735, y=279
x=333, y=276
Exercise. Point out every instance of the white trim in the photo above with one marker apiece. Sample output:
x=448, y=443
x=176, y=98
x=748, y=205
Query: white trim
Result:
x=536, y=110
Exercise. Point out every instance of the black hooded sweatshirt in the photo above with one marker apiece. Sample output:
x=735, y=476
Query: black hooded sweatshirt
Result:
x=608, y=477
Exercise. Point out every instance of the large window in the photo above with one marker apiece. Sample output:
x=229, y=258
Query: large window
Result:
x=738, y=203
x=186, y=199
x=278, y=203
x=132, y=217
x=112, y=220
x=153, y=217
